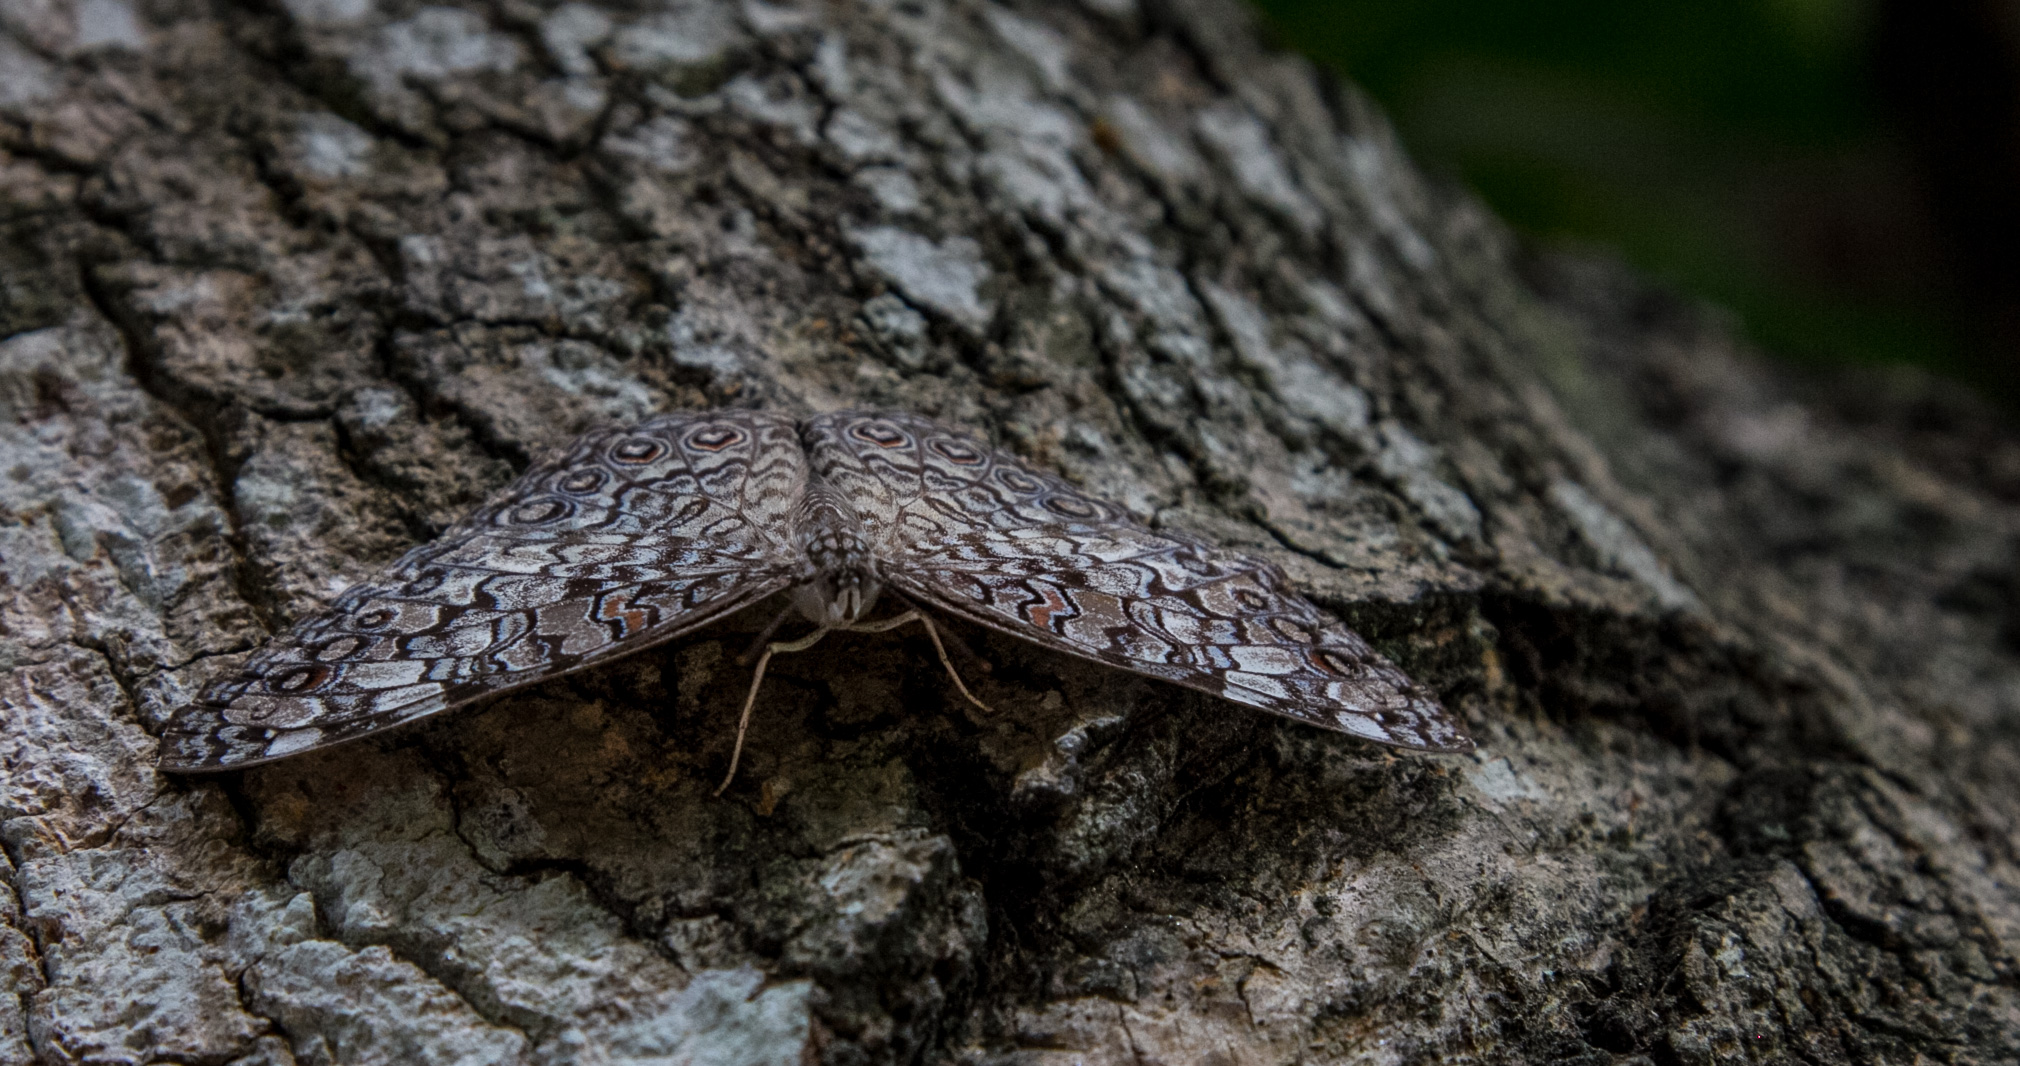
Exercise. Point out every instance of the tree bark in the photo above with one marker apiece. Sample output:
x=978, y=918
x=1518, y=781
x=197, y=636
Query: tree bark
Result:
x=286, y=287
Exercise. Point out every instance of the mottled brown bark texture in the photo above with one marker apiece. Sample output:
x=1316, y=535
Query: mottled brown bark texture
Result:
x=285, y=285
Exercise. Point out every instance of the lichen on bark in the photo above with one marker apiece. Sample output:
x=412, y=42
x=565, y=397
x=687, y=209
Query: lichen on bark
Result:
x=285, y=286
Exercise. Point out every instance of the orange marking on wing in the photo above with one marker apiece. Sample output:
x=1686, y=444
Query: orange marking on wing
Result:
x=1040, y=614
x=629, y=619
x=1328, y=661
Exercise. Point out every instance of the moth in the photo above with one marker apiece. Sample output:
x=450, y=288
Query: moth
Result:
x=631, y=537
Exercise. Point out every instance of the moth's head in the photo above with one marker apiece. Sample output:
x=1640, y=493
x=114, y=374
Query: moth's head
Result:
x=842, y=581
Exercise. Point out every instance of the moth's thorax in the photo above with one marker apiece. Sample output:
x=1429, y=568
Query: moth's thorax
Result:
x=840, y=582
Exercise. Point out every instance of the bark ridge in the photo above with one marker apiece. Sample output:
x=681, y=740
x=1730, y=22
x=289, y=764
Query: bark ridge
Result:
x=288, y=285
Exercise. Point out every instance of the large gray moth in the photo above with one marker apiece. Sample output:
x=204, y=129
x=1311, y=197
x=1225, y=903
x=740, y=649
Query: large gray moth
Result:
x=633, y=536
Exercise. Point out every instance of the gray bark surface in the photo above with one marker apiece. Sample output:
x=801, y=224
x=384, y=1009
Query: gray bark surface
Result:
x=284, y=287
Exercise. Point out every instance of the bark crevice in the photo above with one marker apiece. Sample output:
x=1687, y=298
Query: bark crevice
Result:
x=286, y=288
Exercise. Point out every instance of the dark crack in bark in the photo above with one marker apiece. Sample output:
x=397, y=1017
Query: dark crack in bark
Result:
x=285, y=287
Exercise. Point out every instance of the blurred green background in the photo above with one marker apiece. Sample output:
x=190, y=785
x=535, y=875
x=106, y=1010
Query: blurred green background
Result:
x=1840, y=173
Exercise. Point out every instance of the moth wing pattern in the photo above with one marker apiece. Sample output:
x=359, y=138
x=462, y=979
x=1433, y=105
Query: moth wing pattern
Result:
x=629, y=537
x=979, y=534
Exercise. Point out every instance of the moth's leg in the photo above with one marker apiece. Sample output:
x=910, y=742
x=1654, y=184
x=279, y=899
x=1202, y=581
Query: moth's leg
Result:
x=771, y=628
x=750, y=701
x=933, y=631
x=966, y=654
x=884, y=626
